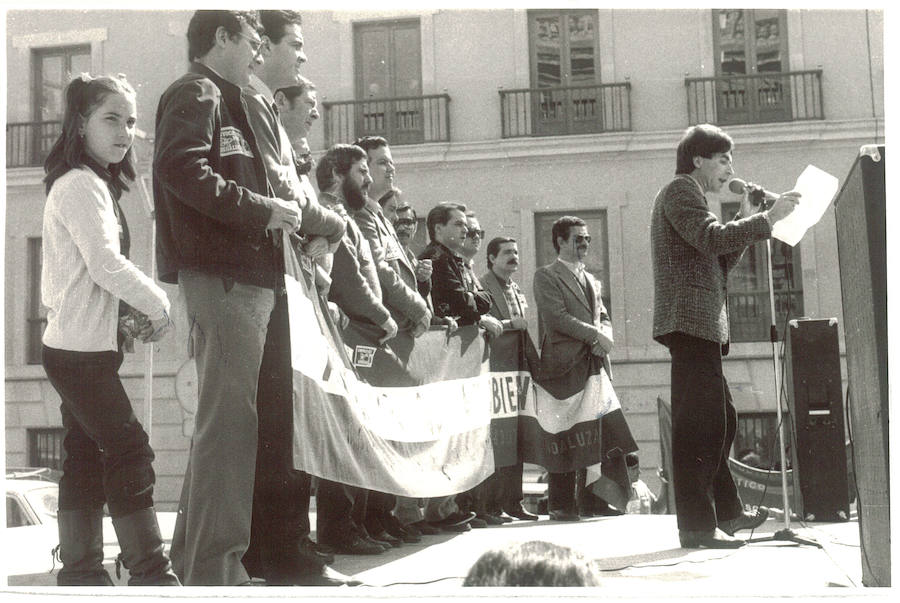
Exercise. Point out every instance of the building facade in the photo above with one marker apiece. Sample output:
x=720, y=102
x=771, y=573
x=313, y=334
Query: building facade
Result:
x=524, y=116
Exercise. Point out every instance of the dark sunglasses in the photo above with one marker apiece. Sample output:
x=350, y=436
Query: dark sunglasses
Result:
x=471, y=234
x=582, y=238
x=405, y=222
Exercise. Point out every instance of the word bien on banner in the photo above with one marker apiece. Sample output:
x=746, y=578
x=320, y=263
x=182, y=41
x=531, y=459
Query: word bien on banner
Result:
x=435, y=415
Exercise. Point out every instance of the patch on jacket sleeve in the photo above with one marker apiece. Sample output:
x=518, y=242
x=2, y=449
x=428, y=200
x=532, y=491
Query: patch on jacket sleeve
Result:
x=363, y=356
x=232, y=142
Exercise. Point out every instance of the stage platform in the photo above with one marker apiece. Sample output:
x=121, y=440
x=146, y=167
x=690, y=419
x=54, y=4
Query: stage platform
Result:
x=638, y=556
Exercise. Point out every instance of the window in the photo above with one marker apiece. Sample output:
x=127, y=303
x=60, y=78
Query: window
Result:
x=389, y=66
x=564, y=53
x=16, y=516
x=750, y=42
x=45, y=447
x=597, y=261
x=54, y=68
x=749, y=315
x=37, y=313
x=756, y=439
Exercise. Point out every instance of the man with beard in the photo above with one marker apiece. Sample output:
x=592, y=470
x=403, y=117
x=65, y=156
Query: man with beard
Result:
x=576, y=330
x=343, y=179
x=504, y=492
x=400, y=296
x=280, y=550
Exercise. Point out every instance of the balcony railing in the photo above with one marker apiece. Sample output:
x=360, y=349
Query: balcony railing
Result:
x=401, y=120
x=27, y=144
x=564, y=110
x=748, y=313
x=757, y=98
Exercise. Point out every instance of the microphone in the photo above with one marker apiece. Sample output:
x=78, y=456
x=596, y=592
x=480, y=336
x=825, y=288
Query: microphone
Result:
x=758, y=195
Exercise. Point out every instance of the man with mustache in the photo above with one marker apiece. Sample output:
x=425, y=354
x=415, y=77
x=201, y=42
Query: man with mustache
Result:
x=576, y=329
x=343, y=178
x=406, y=225
x=504, y=492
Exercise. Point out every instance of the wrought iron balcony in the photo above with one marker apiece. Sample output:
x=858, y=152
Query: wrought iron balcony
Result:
x=401, y=120
x=561, y=110
x=757, y=98
x=28, y=143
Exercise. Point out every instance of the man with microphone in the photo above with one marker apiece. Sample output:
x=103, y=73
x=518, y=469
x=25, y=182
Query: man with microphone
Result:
x=692, y=253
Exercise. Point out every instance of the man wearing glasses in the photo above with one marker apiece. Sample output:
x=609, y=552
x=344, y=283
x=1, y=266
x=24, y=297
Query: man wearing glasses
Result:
x=475, y=499
x=214, y=216
x=576, y=330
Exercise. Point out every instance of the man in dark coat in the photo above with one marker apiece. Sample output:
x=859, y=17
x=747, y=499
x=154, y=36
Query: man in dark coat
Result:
x=216, y=217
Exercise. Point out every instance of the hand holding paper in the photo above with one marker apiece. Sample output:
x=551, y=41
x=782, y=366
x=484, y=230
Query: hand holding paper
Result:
x=783, y=206
x=816, y=188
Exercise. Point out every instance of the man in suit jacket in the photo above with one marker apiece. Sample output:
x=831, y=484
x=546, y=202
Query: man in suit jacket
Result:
x=396, y=274
x=508, y=306
x=401, y=296
x=692, y=253
x=576, y=329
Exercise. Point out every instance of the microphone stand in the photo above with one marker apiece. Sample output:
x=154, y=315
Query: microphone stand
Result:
x=786, y=533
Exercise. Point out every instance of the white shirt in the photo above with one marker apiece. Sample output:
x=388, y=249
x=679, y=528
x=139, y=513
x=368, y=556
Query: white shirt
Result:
x=83, y=273
x=576, y=268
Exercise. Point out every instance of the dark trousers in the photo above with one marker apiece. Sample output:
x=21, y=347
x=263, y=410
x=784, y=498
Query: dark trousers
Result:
x=703, y=426
x=378, y=505
x=500, y=492
x=475, y=499
x=507, y=493
x=564, y=490
x=280, y=493
x=108, y=454
x=340, y=512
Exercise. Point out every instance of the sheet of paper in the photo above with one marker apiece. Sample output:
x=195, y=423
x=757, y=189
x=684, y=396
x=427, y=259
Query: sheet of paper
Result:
x=817, y=189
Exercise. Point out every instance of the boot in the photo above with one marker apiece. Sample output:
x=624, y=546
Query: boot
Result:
x=81, y=548
x=142, y=550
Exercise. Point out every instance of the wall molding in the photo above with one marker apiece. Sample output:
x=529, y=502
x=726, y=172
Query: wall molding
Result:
x=60, y=38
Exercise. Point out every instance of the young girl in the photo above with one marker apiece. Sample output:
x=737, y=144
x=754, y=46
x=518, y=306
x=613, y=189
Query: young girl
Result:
x=88, y=284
